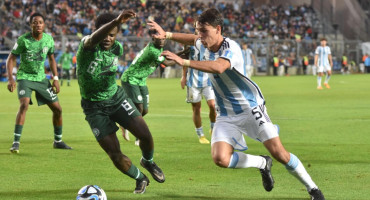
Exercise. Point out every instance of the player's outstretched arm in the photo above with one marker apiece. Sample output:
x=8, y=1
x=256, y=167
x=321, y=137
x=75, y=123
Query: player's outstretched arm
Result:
x=10, y=62
x=217, y=67
x=183, y=38
x=99, y=35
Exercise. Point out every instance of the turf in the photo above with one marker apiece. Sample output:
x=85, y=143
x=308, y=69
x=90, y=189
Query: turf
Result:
x=328, y=130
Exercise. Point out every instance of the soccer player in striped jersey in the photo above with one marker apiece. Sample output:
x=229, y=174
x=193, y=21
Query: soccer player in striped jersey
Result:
x=198, y=84
x=105, y=103
x=249, y=60
x=240, y=103
x=323, y=62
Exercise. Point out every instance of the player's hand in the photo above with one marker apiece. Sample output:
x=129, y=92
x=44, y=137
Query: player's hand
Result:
x=183, y=82
x=11, y=85
x=126, y=15
x=171, y=56
x=56, y=87
x=161, y=34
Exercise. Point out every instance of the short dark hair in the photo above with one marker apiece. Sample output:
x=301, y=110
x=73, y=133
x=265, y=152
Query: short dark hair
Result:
x=152, y=32
x=104, y=19
x=35, y=15
x=322, y=39
x=212, y=17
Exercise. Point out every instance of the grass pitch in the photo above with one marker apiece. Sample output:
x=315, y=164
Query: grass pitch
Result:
x=328, y=130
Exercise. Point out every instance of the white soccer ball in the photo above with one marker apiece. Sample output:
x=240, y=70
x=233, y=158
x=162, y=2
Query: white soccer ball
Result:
x=91, y=192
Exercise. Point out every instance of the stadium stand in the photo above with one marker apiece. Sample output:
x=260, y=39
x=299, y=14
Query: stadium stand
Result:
x=287, y=28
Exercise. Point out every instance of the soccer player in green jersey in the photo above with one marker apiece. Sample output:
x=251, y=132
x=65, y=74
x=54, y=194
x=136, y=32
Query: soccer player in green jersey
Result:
x=134, y=78
x=105, y=103
x=33, y=48
x=66, y=63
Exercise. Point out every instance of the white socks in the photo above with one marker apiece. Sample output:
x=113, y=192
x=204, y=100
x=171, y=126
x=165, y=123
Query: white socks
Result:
x=242, y=160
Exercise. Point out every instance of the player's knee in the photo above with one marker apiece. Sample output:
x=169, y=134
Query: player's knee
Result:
x=57, y=111
x=117, y=157
x=23, y=107
x=221, y=161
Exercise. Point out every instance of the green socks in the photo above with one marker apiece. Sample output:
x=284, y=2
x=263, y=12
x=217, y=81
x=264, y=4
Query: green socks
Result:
x=17, y=132
x=148, y=156
x=134, y=173
x=58, y=133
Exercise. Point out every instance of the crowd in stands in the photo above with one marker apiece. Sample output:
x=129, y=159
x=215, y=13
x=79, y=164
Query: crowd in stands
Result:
x=241, y=18
x=285, y=24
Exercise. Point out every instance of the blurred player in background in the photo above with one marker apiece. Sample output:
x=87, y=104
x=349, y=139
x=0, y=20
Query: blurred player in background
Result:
x=240, y=103
x=323, y=63
x=66, y=64
x=249, y=60
x=105, y=103
x=33, y=48
x=134, y=78
x=198, y=86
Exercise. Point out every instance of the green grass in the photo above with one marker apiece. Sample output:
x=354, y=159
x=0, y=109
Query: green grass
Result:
x=328, y=130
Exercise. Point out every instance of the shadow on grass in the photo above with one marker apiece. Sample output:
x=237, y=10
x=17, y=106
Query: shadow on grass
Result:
x=66, y=194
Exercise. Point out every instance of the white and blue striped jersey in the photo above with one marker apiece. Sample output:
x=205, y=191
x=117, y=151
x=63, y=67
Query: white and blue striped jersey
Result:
x=234, y=92
x=196, y=78
x=247, y=56
x=323, y=53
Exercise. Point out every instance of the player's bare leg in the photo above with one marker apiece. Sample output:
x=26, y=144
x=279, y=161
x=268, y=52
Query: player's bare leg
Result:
x=223, y=155
x=19, y=122
x=110, y=145
x=212, y=113
x=327, y=78
x=293, y=165
x=140, y=130
x=319, y=77
x=58, y=124
x=197, y=119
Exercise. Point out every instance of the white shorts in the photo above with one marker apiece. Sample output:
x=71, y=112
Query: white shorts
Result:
x=323, y=68
x=194, y=95
x=254, y=123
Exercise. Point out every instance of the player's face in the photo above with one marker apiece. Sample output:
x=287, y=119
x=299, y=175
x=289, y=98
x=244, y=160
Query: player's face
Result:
x=208, y=34
x=323, y=42
x=109, y=39
x=37, y=25
x=159, y=43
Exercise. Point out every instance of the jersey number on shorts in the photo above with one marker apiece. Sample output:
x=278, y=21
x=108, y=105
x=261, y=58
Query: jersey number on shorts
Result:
x=258, y=115
x=126, y=105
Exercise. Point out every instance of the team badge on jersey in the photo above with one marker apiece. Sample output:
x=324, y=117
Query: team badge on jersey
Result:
x=45, y=50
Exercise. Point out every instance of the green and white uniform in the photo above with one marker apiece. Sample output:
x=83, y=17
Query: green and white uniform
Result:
x=134, y=78
x=101, y=96
x=31, y=72
x=66, y=61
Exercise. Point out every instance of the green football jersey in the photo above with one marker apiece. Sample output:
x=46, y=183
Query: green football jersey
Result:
x=33, y=54
x=143, y=65
x=66, y=60
x=96, y=71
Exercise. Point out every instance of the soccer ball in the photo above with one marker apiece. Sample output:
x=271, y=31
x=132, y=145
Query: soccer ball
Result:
x=91, y=192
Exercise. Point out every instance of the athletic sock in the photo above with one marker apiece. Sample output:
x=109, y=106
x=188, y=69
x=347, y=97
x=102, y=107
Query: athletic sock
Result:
x=58, y=133
x=242, y=160
x=17, y=132
x=134, y=172
x=319, y=81
x=199, y=131
x=296, y=168
x=148, y=156
x=327, y=78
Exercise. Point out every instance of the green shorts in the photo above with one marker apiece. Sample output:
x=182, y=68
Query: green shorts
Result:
x=138, y=94
x=43, y=89
x=102, y=116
